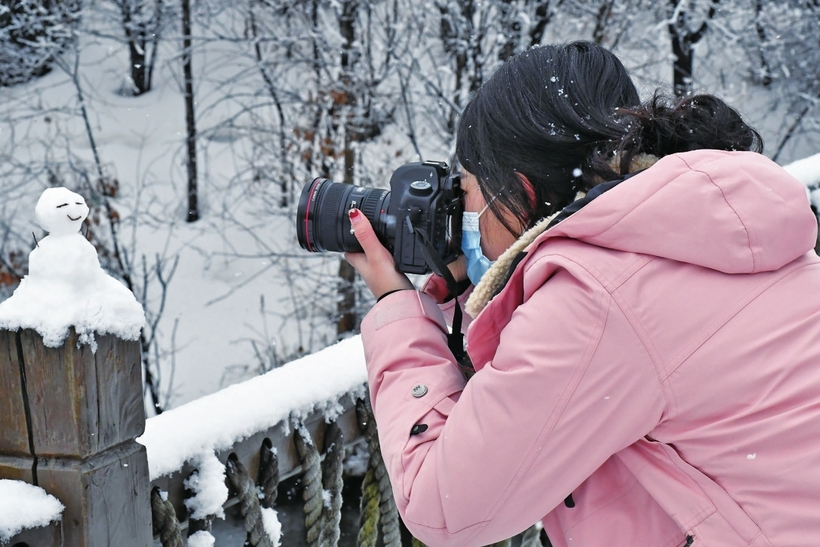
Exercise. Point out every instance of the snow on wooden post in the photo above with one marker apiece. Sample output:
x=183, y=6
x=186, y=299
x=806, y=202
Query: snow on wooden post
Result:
x=71, y=385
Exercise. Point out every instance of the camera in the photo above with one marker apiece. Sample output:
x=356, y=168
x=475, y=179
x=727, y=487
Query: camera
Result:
x=423, y=203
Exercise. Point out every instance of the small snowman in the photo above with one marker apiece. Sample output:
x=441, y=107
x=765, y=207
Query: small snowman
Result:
x=66, y=286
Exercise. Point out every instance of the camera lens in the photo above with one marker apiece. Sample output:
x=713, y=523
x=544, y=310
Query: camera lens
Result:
x=322, y=223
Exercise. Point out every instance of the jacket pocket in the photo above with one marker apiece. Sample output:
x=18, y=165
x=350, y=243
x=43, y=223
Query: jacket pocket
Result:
x=612, y=508
x=701, y=507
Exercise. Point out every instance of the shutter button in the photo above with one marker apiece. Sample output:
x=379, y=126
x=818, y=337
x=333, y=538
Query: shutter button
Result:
x=419, y=390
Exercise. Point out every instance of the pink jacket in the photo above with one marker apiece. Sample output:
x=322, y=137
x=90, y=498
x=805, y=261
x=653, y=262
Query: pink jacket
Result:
x=656, y=354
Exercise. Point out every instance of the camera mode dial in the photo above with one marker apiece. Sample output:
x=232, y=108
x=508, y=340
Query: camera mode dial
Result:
x=421, y=188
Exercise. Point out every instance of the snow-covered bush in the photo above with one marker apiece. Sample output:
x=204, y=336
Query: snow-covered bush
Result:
x=32, y=32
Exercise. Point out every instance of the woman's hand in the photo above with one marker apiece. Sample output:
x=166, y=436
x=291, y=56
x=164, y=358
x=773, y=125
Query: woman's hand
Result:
x=375, y=264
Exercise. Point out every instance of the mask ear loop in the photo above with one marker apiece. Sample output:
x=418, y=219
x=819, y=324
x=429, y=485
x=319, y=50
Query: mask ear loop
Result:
x=486, y=206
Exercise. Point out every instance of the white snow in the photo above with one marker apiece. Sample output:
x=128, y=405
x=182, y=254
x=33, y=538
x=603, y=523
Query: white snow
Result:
x=23, y=505
x=65, y=285
x=270, y=520
x=201, y=539
x=208, y=487
x=807, y=171
x=217, y=421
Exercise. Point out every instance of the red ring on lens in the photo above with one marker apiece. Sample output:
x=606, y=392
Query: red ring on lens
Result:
x=317, y=182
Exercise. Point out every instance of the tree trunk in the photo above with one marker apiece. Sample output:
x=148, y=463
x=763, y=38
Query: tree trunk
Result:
x=346, y=105
x=543, y=15
x=190, y=122
x=683, y=45
x=138, y=74
x=682, y=67
x=766, y=79
x=604, y=12
x=510, y=30
x=135, y=35
x=142, y=34
x=456, y=29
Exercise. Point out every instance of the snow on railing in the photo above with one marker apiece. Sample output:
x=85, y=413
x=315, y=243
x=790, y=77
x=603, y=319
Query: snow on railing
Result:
x=254, y=434
x=218, y=421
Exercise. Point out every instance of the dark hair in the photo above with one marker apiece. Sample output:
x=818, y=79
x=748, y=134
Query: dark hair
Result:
x=664, y=126
x=561, y=114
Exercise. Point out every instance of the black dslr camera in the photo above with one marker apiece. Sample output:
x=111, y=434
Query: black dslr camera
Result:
x=423, y=203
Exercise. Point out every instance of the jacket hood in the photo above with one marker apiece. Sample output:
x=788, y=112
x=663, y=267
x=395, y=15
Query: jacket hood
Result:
x=734, y=212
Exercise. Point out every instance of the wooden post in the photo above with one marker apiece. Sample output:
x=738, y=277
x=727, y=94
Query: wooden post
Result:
x=68, y=420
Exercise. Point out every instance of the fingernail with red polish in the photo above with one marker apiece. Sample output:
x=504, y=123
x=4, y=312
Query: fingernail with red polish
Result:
x=353, y=213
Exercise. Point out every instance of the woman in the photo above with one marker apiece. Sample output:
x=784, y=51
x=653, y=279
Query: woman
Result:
x=647, y=362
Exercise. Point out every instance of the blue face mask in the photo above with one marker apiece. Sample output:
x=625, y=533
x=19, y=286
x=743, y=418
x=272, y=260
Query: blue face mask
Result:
x=477, y=263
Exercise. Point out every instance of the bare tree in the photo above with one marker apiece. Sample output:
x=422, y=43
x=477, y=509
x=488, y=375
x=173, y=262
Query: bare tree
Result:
x=462, y=29
x=787, y=39
x=602, y=20
x=688, y=22
x=142, y=24
x=762, y=36
x=523, y=23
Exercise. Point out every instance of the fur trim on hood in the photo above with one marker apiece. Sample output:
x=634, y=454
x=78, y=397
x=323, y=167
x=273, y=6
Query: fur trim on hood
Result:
x=497, y=275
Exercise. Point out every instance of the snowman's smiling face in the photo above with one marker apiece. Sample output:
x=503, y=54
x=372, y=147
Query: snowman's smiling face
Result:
x=61, y=211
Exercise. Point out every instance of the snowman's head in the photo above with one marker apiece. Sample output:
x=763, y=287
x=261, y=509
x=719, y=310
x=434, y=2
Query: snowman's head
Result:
x=61, y=211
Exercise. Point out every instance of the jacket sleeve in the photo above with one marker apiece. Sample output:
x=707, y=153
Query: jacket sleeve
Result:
x=569, y=384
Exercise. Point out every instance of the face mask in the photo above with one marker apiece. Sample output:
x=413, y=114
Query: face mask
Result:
x=477, y=263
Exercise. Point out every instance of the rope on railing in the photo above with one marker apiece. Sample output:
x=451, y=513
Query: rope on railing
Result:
x=268, y=477
x=333, y=482
x=369, y=507
x=312, y=483
x=376, y=479
x=323, y=484
x=164, y=520
x=391, y=534
x=248, y=502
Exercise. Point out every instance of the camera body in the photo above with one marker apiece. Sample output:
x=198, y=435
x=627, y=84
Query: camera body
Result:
x=424, y=202
x=427, y=200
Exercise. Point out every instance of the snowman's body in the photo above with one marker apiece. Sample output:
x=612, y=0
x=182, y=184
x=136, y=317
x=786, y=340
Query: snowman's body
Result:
x=65, y=285
x=76, y=257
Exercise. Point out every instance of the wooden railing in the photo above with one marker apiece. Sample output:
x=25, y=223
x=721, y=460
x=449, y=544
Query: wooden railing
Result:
x=72, y=422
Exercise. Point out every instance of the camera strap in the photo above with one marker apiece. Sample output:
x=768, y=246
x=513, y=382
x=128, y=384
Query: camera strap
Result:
x=455, y=338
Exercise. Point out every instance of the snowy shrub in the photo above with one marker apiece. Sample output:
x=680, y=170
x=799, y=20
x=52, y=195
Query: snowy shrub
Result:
x=32, y=32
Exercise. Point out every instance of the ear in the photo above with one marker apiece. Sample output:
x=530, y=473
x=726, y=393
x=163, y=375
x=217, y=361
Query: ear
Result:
x=529, y=189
